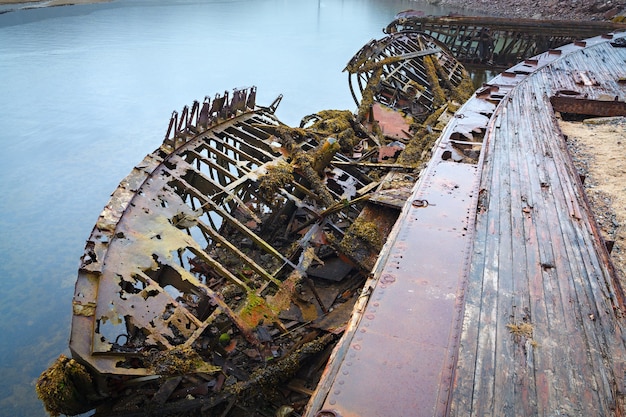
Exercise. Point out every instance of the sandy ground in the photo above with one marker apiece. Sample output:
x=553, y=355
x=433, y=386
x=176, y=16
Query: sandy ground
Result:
x=597, y=148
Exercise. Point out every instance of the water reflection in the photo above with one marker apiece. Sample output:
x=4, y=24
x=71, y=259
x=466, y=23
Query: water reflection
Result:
x=87, y=91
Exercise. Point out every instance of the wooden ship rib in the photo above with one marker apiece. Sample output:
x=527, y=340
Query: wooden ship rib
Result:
x=249, y=268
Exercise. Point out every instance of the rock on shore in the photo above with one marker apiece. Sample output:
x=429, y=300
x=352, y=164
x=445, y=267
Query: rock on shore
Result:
x=543, y=9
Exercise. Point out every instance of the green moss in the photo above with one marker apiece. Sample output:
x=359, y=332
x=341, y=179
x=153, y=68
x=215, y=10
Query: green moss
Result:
x=224, y=339
x=361, y=232
x=374, y=65
x=347, y=140
x=296, y=133
x=277, y=177
x=305, y=163
x=337, y=123
x=64, y=388
x=333, y=121
x=432, y=119
x=414, y=153
x=367, y=99
x=267, y=379
x=178, y=361
x=464, y=90
x=522, y=332
x=255, y=310
x=439, y=96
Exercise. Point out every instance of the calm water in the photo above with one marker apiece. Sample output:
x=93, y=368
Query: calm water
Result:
x=87, y=91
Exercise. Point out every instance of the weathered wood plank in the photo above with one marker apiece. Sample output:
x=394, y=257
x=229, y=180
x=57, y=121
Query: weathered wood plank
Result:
x=522, y=389
x=524, y=260
x=505, y=366
x=561, y=332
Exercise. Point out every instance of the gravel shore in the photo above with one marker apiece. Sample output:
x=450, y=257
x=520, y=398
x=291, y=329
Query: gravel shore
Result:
x=543, y=9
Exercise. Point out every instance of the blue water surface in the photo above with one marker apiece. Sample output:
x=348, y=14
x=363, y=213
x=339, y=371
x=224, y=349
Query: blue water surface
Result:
x=86, y=91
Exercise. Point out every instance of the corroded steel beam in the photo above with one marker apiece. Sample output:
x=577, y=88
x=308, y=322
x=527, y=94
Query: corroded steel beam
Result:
x=604, y=108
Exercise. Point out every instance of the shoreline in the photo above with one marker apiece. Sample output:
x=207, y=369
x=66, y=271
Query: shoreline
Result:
x=26, y=4
x=572, y=10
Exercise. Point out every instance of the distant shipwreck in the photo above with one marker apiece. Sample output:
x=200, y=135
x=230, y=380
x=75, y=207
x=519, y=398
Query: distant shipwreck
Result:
x=237, y=268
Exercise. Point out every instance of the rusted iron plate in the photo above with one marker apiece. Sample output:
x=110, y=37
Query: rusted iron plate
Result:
x=392, y=123
x=605, y=108
x=406, y=339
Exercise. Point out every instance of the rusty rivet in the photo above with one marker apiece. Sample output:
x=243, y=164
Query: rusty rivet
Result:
x=420, y=203
x=388, y=279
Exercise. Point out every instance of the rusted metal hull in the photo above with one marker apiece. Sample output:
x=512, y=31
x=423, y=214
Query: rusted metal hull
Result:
x=209, y=258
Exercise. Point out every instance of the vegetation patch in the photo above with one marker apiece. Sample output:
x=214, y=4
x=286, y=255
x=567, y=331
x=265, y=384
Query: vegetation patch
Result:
x=178, y=361
x=62, y=388
x=277, y=177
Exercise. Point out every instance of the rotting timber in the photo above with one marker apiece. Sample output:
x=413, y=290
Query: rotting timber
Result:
x=492, y=42
x=227, y=263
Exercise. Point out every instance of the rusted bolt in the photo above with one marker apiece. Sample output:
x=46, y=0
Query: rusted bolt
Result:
x=327, y=413
x=420, y=203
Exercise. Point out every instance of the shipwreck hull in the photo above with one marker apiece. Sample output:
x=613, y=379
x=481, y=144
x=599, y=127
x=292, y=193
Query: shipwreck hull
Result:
x=498, y=43
x=407, y=71
x=214, y=252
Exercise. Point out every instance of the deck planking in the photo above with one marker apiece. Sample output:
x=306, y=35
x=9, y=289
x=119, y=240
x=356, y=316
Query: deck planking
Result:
x=548, y=272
